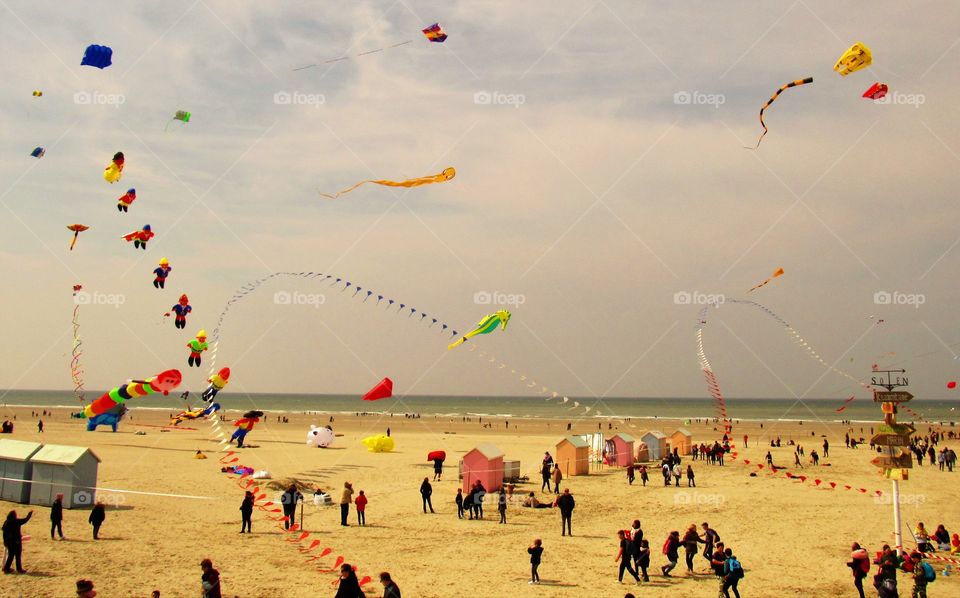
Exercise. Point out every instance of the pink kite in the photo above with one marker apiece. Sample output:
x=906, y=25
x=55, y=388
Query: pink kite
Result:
x=383, y=390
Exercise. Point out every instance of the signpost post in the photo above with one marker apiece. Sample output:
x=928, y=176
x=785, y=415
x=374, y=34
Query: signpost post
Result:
x=893, y=438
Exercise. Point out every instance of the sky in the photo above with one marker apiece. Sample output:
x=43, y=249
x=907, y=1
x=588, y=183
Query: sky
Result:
x=603, y=191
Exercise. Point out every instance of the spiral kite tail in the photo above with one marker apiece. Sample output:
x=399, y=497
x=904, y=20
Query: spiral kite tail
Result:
x=773, y=98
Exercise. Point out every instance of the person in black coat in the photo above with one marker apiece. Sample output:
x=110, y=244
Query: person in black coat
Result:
x=56, y=517
x=289, y=500
x=566, y=503
x=13, y=540
x=97, y=515
x=246, y=513
x=349, y=584
x=426, y=491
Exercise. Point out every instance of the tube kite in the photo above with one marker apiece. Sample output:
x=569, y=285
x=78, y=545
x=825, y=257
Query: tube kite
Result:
x=858, y=56
x=485, y=326
x=446, y=175
x=772, y=99
x=76, y=371
x=163, y=382
x=383, y=390
x=114, y=171
x=779, y=272
x=77, y=229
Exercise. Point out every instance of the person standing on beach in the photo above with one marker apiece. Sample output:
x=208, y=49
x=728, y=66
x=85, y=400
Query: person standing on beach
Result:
x=677, y=474
x=557, y=478
x=745, y=437
x=289, y=500
x=459, y=501
x=566, y=504
x=437, y=469
x=690, y=541
x=670, y=549
x=625, y=555
x=361, y=503
x=13, y=540
x=346, y=497
x=921, y=575
x=56, y=517
x=40, y=426
x=536, y=552
x=246, y=513
x=859, y=565
x=691, y=481
x=732, y=574
x=96, y=519
x=390, y=588
x=479, y=492
x=426, y=491
x=502, y=505
x=826, y=448
x=545, y=474
x=642, y=556
x=209, y=580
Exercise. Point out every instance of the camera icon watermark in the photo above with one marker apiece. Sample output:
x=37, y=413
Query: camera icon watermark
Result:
x=498, y=298
x=698, y=499
x=97, y=298
x=698, y=298
x=296, y=98
x=83, y=498
x=915, y=500
x=897, y=98
x=698, y=98
x=898, y=298
x=96, y=98
x=497, y=98
x=297, y=298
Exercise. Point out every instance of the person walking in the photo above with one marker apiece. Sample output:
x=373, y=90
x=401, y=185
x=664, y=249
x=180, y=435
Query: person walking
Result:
x=922, y=574
x=717, y=561
x=636, y=536
x=289, y=500
x=56, y=517
x=346, y=497
x=361, y=503
x=390, y=588
x=536, y=553
x=732, y=574
x=479, y=492
x=630, y=474
x=690, y=541
x=502, y=505
x=349, y=584
x=710, y=538
x=426, y=491
x=209, y=580
x=860, y=565
x=566, y=504
x=670, y=549
x=677, y=474
x=691, y=481
x=545, y=474
x=437, y=469
x=246, y=513
x=642, y=555
x=625, y=556
x=13, y=540
x=96, y=519
x=826, y=448
x=40, y=426
x=644, y=476
x=557, y=478
x=459, y=501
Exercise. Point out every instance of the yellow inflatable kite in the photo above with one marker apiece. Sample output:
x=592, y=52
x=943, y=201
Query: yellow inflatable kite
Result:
x=446, y=175
x=857, y=57
x=378, y=444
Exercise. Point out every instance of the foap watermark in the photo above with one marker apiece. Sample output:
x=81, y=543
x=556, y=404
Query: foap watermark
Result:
x=905, y=499
x=698, y=298
x=96, y=98
x=698, y=98
x=498, y=298
x=297, y=298
x=897, y=98
x=698, y=498
x=296, y=98
x=97, y=298
x=499, y=98
x=84, y=498
x=898, y=298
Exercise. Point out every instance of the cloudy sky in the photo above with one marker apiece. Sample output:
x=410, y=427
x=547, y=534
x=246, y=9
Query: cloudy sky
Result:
x=601, y=183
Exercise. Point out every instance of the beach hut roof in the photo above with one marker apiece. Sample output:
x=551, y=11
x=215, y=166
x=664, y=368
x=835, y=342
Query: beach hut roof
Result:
x=654, y=433
x=683, y=431
x=623, y=437
x=17, y=449
x=488, y=450
x=61, y=454
x=577, y=441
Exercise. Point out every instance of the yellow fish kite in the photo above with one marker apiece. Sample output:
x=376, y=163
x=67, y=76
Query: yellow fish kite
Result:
x=446, y=175
x=485, y=326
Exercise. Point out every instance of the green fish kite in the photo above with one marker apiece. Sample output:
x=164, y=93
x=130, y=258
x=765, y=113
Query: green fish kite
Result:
x=485, y=326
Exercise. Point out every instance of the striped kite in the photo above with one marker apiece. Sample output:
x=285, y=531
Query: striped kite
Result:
x=485, y=326
x=779, y=272
x=446, y=175
x=163, y=382
x=772, y=99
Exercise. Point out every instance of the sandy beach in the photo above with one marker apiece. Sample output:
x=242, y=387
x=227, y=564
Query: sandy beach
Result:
x=791, y=536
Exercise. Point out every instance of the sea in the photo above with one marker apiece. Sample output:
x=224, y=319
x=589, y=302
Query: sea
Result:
x=767, y=409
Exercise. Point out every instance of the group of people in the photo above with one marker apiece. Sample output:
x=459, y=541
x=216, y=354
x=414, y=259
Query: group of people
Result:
x=888, y=563
x=13, y=534
x=712, y=454
x=550, y=472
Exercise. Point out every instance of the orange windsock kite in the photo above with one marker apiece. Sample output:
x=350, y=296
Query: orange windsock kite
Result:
x=779, y=272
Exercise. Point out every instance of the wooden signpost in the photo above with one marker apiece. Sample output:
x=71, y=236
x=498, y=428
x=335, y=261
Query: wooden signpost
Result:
x=893, y=438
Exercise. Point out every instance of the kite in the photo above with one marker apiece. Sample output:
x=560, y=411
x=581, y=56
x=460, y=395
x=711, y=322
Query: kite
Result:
x=380, y=443
x=110, y=418
x=37, y=93
x=383, y=390
x=772, y=99
x=951, y=385
x=320, y=437
x=197, y=346
x=38, y=152
x=436, y=456
x=77, y=229
x=447, y=174
x=244, y=425
x=161, y=273
x=485, y=326
x=112, y=173
x=181, y=115
x=123, y=203
x=217, y=382
x=877, y=91
x=139, y=237
x=779, y=272
x=857, y=57
x=98, y=56
x=434, y=33
x=182, y=308
x=76, y=371
x=845, y=403
x=190, y=414
x=163, y=382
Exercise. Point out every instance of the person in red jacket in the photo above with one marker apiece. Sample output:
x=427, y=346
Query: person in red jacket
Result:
x=860, y=565
x=361, y=502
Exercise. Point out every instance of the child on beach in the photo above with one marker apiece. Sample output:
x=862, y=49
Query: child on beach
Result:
x=536, y=552
x=209, y=580
x=732, y=574
x=97, y=516
x=690, y=540
x=644, y=476
x=459, y=501
x=502, y=505
x=85, y=589
x=670, y=549
x=361, y=502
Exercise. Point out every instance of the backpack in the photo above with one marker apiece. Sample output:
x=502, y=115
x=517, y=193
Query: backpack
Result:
x=928, y=573
x=735, y=568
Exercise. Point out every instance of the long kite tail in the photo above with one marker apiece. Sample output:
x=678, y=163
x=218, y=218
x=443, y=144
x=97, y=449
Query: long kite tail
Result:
x=447, y=174
x=772, y=99
x=347, y=190
x=76, y=371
